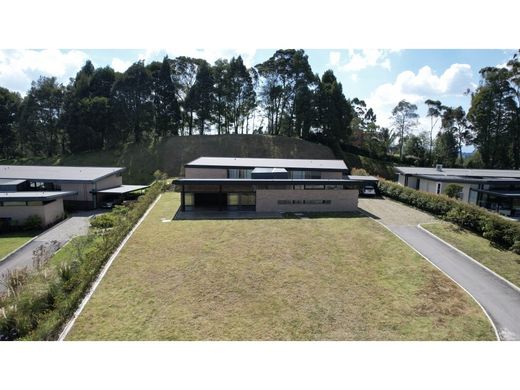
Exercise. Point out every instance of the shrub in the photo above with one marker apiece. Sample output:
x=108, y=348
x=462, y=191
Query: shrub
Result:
x=359, y=172
x=33, y=222
x=103, y=221
x=453, y=190
x=42, y=301
x=489, y=225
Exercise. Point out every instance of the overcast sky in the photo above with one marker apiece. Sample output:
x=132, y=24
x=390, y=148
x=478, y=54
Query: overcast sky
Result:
x=380, y=77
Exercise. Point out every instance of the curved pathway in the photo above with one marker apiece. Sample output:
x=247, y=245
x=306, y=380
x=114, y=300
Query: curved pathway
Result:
x=76, y=225
x=500, y=300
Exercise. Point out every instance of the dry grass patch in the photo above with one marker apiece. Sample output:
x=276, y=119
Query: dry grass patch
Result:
x=309, y=279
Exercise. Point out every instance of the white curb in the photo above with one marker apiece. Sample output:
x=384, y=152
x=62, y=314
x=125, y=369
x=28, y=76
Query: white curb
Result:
x=71, y=322
x=6, y=257
x=453, y=280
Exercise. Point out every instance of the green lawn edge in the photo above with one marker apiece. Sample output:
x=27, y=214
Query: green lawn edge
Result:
x=505, y=263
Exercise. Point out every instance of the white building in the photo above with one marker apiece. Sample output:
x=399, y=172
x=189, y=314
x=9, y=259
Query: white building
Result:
x=494, y=189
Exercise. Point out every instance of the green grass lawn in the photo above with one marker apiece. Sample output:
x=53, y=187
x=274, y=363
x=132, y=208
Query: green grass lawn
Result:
x=280, y=279
x=503, y=262
x=10, y=241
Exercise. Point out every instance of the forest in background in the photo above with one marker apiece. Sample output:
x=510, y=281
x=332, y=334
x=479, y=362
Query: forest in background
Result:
x=101, y=109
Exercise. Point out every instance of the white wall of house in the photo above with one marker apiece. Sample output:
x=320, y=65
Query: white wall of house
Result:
x=84, y=190
x=110, y=182
x=400, y=179
x=340, y=200
x=49, y=213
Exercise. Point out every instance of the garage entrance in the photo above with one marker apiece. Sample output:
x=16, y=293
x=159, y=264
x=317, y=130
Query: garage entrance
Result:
x=210, y=201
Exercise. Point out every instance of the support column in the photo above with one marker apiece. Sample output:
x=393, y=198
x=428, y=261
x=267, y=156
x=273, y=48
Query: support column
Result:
x=183, y=207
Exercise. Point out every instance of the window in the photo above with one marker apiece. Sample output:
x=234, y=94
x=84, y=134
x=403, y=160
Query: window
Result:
x=233, y=199
x=35, y=203
x=305, y=175
x=438, y=189
x=247, y=199
x=314, y=187
x=188, y=199
x=239, y=173
x=43, y=186
x=15, y=203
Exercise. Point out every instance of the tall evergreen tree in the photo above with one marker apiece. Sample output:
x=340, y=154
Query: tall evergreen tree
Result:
x=334, y=111
x=492, y=114
x=132, y=94
x=405, y=119
x=201, y=95
x=40, y=118
x=9, y=106
x=167, y=109
x=281, y=76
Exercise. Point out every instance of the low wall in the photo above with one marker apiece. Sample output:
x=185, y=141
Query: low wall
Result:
x=340, y=200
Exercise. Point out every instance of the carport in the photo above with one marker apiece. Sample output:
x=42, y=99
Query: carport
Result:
x=119, y=193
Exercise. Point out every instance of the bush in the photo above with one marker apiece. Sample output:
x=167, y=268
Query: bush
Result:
x=498, y=230
x=33, y=222
x=43, y=301
x=359, y=172
x=103, y=221
x=453, y=190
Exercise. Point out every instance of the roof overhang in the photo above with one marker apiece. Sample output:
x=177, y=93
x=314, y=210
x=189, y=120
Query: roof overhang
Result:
x=122, y=189
x=266, y=181
x=501, y=193
x=251, y=163
x=24, y=196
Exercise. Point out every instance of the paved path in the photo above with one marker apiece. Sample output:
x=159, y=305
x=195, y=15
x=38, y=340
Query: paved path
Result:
x=76, y=225
x=499, y=299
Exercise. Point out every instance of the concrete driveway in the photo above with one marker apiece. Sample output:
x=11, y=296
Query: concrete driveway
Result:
x=76, y=225
x=500, y=300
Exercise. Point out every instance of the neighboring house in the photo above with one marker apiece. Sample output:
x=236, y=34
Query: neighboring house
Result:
x=47, y=190
x=494, y=189
x=268, y=185
x=17, y=207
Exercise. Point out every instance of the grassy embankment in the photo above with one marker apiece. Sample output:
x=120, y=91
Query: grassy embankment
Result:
x=280, y=279
x=171, y=154
x=503, y=262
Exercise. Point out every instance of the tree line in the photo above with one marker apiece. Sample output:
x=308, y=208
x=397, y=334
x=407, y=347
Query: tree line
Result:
x=101, y=109
x=492, y=125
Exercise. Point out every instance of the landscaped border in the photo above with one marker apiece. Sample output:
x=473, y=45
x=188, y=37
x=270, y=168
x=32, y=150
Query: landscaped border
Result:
x=489, y=225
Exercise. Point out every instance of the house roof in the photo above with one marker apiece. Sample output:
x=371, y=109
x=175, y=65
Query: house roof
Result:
x=460, y=172
x=269, y=170
x=122, y=189
x=363, y=178
x=217, y=181
x=290, y=163
x=57, y=173
x=34, y=195
x=10, y=182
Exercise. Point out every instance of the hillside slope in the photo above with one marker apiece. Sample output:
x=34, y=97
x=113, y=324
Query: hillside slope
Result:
x=171, y=154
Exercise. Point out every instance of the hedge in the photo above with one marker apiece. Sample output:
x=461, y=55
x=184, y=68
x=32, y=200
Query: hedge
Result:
x=48, y=296
x=498, y=230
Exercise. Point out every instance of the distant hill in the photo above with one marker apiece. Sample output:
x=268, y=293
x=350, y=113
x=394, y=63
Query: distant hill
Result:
x=171, y=154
